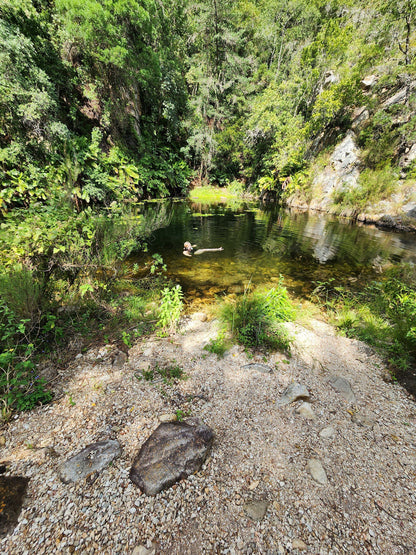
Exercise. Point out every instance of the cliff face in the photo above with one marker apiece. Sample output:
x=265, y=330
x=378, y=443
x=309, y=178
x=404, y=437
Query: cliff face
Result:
x=345, y=184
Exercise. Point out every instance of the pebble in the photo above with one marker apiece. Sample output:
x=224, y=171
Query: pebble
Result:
x=362, y=420
x=327, y=432
x=256, y=367
x=343, y=387
x=292, y=393
x=305, y=410
x=299, y=544
x=169, y=417
x=317, y=471
x=256, y=510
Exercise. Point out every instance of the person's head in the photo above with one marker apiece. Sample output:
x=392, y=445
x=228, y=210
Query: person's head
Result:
x=187, y=246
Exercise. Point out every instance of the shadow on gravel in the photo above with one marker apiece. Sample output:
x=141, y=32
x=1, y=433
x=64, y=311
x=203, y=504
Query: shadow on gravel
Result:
x=12, y=493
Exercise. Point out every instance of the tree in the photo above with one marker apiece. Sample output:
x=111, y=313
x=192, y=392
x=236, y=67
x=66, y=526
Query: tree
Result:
x=402, y=15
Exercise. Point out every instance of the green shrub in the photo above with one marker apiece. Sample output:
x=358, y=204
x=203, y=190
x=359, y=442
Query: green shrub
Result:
x=170, y=308
x=20, y=386
x=218, y=346
x=255, y=319
x=373, y=186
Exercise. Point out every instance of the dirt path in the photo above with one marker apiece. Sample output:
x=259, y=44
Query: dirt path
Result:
x=260, y=464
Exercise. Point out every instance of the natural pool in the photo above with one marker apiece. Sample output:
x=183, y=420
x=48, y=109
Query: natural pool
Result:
x=262, y=242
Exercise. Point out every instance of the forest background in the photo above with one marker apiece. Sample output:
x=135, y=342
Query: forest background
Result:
x=106, y=103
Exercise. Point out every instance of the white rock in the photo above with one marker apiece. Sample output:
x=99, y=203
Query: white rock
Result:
x=327, y=432
x=317, y=471
x=305, y=410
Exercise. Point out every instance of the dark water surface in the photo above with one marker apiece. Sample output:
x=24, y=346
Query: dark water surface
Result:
x=263, y=242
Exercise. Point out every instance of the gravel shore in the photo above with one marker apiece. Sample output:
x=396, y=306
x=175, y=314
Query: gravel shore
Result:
x=258, y=491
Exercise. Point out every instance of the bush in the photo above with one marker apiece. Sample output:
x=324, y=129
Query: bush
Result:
x=218, y=346
x=373, y=186
x=255, y=319
x=170, y=308
x=20, y=387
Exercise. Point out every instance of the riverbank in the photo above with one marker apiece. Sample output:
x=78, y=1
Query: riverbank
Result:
x=340, y=184
x=258, y=491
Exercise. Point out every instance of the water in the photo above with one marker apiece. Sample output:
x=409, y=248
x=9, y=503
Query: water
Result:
x=262, y=243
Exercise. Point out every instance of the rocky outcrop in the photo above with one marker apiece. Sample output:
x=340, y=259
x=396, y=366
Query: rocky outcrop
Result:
x=400, y=96
x=359, y=117
x=368, y=82
x=342, y=172
x=174, y=451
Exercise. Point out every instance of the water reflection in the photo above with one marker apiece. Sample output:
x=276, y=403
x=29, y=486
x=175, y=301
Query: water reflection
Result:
x=260, y=243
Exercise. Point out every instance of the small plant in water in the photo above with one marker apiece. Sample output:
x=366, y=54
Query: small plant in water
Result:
x=157, y=264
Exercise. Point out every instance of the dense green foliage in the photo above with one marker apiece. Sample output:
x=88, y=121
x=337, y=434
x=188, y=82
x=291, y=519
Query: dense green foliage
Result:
x=119, y=99
x=255, y=318
x=104, y=103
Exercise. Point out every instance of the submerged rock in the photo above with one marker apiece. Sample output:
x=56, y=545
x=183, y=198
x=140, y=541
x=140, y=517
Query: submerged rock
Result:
x=292, y=393
x=92, y=459
x=174, y=451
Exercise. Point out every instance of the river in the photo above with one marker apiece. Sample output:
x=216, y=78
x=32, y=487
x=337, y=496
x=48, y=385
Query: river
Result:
x=263, y=242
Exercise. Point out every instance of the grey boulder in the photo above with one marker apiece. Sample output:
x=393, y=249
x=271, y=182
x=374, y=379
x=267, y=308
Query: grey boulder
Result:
x=93, y=458
x=343, y=387
x=174, y=451
x=292, y=393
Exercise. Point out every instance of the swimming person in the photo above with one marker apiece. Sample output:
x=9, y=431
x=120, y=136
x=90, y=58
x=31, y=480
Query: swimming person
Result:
x=188, y=249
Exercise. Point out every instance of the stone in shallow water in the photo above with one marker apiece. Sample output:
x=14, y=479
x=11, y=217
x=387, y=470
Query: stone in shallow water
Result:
x=12, y=493
x=93, y=458
x=343, y=387
x=317, y=471
x=293, y=392
x=257, y=368
x=174, y=451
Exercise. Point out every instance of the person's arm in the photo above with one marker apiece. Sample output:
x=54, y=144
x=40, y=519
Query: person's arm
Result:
x=186, y=253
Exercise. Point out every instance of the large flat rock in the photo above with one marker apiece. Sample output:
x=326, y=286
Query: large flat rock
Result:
x=93, y=458
x=174, y=451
